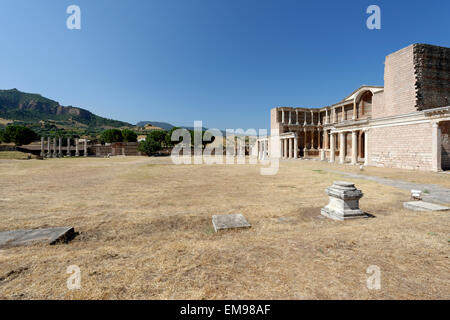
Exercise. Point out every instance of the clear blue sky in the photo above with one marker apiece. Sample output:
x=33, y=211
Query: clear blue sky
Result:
x=226, y=62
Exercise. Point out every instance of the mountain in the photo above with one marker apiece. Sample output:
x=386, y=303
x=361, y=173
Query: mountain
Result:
x=34, y=108
x=163, y=125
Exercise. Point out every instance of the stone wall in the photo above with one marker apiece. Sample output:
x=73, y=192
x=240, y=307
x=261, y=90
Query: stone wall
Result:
x=403, y=146
x=399, y=85
x=445, y=138
x=432, y=70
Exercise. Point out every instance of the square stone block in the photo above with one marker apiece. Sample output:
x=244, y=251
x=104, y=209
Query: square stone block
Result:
x=24, y=237
x=229, y=221
x=424, y=206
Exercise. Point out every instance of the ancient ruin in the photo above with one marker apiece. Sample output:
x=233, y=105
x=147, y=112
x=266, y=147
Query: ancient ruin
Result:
x=405, y=124
x=344, y=202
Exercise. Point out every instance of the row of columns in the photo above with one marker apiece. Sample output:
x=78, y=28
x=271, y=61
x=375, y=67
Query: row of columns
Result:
x=263, y=149
x=342, y=141
x=289, y=147
x=54, y=152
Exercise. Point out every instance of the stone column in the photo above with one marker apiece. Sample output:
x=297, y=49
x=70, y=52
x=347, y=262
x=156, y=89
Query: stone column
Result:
x=343, y=113
x=366, y=147
x=332, y=147
x=77, y=152
x=290, y=117
x=325, y=140
x=59, y=147
x=436, y=149
x=295, y=147
x=285, y=155
x=85, y=148
x=322, y=152
x=304, y=123
x=326, y=116
x=312, y=117
x=354, y=111
x=291, y=155
x=342, y=147
x=49, y=148
x=305, y=138
x=42, y=147
x=68, y=147
x=318, y=116
x=354, y=148
x=312, y=139
x=55, y=155
x=296, y=117
x=282, y=116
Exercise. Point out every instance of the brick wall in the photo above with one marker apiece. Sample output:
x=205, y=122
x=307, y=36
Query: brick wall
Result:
x=407, y=146
x=445, y=138
x=432, y=69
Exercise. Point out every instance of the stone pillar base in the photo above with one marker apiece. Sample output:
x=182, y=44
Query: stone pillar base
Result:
x=344, y=202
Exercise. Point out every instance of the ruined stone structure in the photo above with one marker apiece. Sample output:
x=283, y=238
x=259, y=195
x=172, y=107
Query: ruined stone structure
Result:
x=405, y=124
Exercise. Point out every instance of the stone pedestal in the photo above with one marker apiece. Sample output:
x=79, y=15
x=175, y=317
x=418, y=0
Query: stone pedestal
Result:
x=344, y=202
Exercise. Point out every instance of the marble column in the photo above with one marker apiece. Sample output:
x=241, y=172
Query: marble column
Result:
x=322, y=152
x=68, y=147
x=354, y=111
x=59, y=147
x=291, y=155
x=332, y=148
x=305, y=123
x=326, y=116
x=342, y=147
x=366, y=147
x=85, y=148
x=304, y=142
x=312, y=139
x=77, y=152
x=296, y=117
x=436, y=148
x=286, y=154
x=55, y=155
x=295, y=147
x=312, y=117
x=282, y=116
x=354, y=148
x=49, y=148
x=290, y=117
x=42, y=147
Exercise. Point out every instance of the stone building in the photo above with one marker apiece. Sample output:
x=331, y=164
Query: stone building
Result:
x=405, y=124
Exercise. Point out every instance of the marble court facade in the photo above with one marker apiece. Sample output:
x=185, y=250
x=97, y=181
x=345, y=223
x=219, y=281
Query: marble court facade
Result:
x=405, y=124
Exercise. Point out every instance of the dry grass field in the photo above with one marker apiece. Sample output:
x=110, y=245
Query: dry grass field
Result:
x=145, y=232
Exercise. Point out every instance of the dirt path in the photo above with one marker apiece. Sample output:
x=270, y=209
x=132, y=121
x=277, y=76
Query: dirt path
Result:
x=435, y=193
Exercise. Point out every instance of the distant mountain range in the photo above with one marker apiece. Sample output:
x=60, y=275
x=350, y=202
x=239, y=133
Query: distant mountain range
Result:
x=45, y=115
x=30, y=107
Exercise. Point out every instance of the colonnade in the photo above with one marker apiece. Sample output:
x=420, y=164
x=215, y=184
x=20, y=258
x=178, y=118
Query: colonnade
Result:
x=56, y=151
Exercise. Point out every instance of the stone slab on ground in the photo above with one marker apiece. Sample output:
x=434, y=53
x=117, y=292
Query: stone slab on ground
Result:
x=24, y=237
x=424, y=206
x=229, y=221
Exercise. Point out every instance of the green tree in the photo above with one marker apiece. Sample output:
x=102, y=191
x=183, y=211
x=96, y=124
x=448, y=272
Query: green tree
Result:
x=169, y=141
x=111, y=135
x=158, y=135
x=129, y=135
x=149, y=146
x=19, y=135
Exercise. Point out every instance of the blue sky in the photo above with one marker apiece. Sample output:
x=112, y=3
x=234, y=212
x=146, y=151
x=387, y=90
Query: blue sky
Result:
x=226, y=62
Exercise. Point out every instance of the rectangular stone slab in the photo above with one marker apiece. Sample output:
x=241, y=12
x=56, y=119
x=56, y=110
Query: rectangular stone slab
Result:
x=229, y=221
x=424, y=206
x=24, y=237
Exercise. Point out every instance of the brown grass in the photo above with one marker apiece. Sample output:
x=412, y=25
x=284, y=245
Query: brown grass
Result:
x=145, y=232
